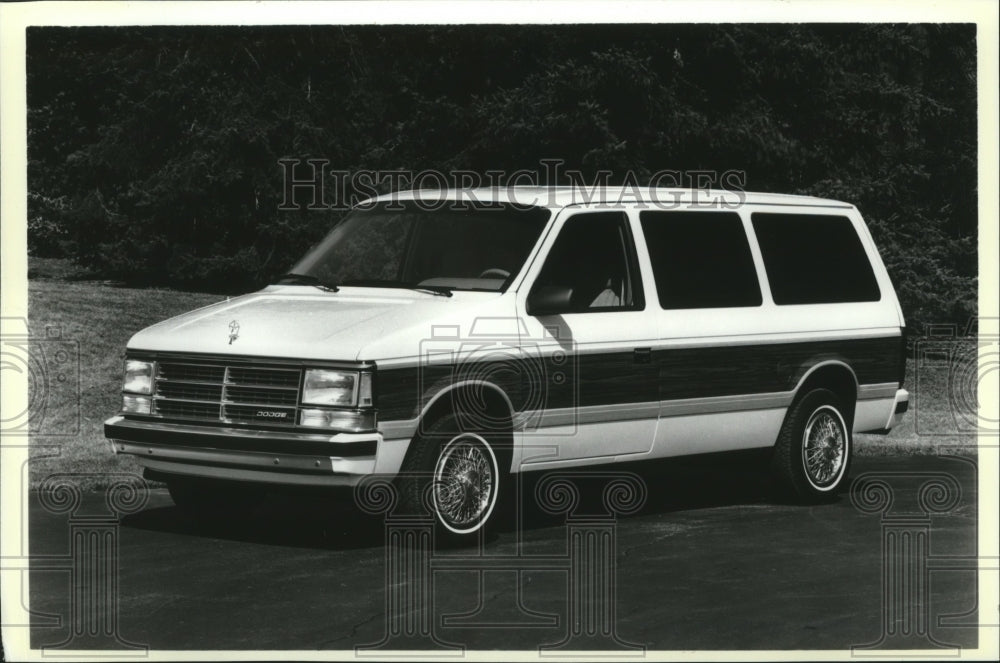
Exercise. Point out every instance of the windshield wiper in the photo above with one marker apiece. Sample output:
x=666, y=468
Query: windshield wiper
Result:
x=308, y=279
x=440, y=290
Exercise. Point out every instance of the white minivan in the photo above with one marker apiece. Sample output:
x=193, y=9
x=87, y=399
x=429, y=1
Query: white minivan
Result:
x=449, y=339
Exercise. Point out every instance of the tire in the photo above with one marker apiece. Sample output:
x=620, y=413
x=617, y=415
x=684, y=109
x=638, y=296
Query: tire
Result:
x=812, y=455
x=214, y=500
x=456, y=475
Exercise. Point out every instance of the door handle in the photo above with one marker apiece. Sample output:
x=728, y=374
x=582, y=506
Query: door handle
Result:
x=642, y=355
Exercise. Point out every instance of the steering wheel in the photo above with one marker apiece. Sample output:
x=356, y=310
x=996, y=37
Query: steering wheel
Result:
x=495, y=272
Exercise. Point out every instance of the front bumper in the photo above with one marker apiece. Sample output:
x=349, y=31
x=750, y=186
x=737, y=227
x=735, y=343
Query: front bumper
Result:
x=291, y=458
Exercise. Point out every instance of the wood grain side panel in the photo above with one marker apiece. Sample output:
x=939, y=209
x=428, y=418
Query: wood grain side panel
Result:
x=615, y=377
x=755, y=369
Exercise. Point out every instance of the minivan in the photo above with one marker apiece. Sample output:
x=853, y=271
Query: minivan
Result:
x=449, y=339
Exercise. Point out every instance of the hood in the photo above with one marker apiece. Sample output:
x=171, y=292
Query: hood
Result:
x=303, y=322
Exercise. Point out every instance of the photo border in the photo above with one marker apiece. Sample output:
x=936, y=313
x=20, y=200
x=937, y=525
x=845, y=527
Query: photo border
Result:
x=15, y=18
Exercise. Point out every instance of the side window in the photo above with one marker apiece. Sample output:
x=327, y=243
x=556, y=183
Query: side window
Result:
x=814, y=259
x=594, y=256
x=700, y=259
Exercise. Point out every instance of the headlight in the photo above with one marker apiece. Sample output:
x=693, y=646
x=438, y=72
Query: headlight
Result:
x=138, y=377
x=330, y=387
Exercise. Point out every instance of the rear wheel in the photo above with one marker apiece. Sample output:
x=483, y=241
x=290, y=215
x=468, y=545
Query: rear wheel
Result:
x=813, y=451
x=206, y=499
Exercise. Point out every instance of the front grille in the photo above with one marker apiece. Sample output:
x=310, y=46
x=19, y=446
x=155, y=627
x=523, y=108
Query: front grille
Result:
x=270, y=377
x=226, y=393
x=262, y=395
x=190, y=391
x=190, y=372
x=187, y=409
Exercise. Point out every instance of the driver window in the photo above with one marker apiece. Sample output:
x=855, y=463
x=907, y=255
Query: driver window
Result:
x=595, y=258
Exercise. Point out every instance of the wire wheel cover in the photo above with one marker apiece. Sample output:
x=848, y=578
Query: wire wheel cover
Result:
x=824, y=447
x=464, y=482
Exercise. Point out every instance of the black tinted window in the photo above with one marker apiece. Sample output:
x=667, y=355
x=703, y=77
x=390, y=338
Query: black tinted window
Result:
x=700, y=259
x=814, y=259
x=595, y=258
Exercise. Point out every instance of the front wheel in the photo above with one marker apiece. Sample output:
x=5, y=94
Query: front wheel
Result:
x=454, y=474
x=813, y=450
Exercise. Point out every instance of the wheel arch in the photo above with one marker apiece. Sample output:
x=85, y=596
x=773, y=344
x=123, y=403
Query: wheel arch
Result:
x=835, y=375
x=479, y=405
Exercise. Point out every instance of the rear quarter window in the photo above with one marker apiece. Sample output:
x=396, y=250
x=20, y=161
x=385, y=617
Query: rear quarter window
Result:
x=814, y=259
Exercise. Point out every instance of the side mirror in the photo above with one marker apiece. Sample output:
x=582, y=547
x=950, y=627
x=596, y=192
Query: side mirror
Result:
x=550, y=300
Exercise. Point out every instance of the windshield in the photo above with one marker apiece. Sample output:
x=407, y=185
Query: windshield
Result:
x=459, y=249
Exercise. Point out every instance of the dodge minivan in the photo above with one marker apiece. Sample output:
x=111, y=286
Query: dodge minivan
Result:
x=448, y=339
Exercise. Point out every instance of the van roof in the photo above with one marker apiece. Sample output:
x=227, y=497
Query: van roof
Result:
x=565, y=196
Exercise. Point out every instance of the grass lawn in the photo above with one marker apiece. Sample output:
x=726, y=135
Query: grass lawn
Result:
x=95, y=319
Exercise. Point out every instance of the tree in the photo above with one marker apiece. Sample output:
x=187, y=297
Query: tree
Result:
x=154, y=152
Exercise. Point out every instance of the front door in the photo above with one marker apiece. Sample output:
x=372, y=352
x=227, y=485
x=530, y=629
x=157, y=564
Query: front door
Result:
x=594, y=393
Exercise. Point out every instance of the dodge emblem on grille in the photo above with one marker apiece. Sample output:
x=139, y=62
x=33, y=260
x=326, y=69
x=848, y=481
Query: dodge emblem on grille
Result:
x=234, y=331
x=271, y=413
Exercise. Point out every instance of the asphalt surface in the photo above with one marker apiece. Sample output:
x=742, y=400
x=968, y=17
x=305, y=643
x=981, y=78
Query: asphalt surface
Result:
x=712, y=560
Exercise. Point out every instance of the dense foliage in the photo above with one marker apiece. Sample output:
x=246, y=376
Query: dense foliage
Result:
x=154, y=152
